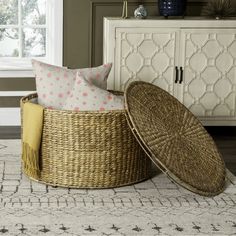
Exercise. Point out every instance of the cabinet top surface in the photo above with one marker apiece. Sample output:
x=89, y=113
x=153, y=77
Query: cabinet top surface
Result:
x=161, y=18
x=187, y=22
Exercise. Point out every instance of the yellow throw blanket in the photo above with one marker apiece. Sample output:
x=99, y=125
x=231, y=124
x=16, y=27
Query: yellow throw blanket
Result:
x=32, y=134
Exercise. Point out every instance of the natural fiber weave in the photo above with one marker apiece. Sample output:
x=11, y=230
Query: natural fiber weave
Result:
x=175, y=139
x=89, y=150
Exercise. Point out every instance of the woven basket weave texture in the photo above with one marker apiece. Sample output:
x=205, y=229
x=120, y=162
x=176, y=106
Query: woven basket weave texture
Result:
x=89, y=150
x=175, y=139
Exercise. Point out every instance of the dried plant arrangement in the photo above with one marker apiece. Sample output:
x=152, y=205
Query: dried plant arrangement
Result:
x=218, y=9
x=125, y=9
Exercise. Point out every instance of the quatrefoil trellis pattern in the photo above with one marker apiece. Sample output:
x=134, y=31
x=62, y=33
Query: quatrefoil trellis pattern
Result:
x=210, y=72
x=147, y=56
x=208, y=58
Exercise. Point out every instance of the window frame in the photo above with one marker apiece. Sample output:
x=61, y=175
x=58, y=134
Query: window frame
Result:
x=21, y=67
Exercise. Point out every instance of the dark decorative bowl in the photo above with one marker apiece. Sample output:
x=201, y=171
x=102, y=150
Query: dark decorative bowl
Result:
x=172, y=7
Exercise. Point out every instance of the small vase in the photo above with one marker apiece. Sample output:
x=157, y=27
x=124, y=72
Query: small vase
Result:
x=140, y=12
x=172, y=7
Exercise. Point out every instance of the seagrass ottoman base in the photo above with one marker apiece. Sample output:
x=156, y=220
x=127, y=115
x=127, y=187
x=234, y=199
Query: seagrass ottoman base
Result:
x=88, y=150
x=115, y=148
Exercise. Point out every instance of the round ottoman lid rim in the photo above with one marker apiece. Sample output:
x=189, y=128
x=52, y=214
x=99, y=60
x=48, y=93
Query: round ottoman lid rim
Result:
x=154, y=156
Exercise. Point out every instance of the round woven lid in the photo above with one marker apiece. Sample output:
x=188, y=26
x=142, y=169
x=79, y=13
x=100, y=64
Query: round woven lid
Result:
x=174, y=139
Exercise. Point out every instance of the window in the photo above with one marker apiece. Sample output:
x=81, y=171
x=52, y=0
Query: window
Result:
x=29, y=29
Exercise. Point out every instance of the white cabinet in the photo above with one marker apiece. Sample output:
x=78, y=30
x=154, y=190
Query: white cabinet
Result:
x=208, y=57
x=194, y=60
x=144, y=54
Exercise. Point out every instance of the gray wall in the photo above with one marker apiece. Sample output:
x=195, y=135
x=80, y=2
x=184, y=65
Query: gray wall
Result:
x=83, y=36
x=83, y=44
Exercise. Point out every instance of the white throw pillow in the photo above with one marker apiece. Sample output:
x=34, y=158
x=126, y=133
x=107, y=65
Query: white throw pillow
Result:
x=54, y=84
x=85, y=96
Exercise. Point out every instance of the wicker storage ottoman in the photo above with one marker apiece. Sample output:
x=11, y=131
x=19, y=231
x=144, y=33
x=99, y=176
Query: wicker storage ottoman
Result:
x=88, y=150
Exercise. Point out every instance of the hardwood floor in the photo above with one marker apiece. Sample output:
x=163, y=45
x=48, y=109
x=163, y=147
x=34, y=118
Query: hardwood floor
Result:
x=10, y=132
x=227, y=147
x=225, y=138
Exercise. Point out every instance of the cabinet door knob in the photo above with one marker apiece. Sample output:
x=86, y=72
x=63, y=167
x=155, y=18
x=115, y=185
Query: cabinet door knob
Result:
x=181, y=75
x=176, y=74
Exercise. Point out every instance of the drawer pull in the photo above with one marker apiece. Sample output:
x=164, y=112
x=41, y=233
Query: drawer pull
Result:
x=176, y=74
x=181, y=75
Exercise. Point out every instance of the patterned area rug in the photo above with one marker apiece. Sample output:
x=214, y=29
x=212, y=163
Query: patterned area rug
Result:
x=154, y=207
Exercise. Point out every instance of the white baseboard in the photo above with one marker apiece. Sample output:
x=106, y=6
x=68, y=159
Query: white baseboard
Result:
x=15, y=93
x=10, y=116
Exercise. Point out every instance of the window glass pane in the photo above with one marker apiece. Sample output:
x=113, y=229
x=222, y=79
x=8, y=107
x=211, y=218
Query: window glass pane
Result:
x=9, y=43
x=34, y=42
x=34, y=12
x=8, y=12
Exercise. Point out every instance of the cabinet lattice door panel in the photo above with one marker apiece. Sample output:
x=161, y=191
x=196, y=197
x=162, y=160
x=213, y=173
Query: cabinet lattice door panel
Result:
x=193, y=59
x=146, y=54
x=209, y=63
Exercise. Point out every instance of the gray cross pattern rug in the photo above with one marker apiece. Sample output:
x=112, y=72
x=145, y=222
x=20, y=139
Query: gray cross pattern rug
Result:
x=154, y=207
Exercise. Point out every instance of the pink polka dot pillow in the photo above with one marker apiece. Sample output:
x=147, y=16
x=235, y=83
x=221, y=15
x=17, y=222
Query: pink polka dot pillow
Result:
x=54, y=84
x=87, y=97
